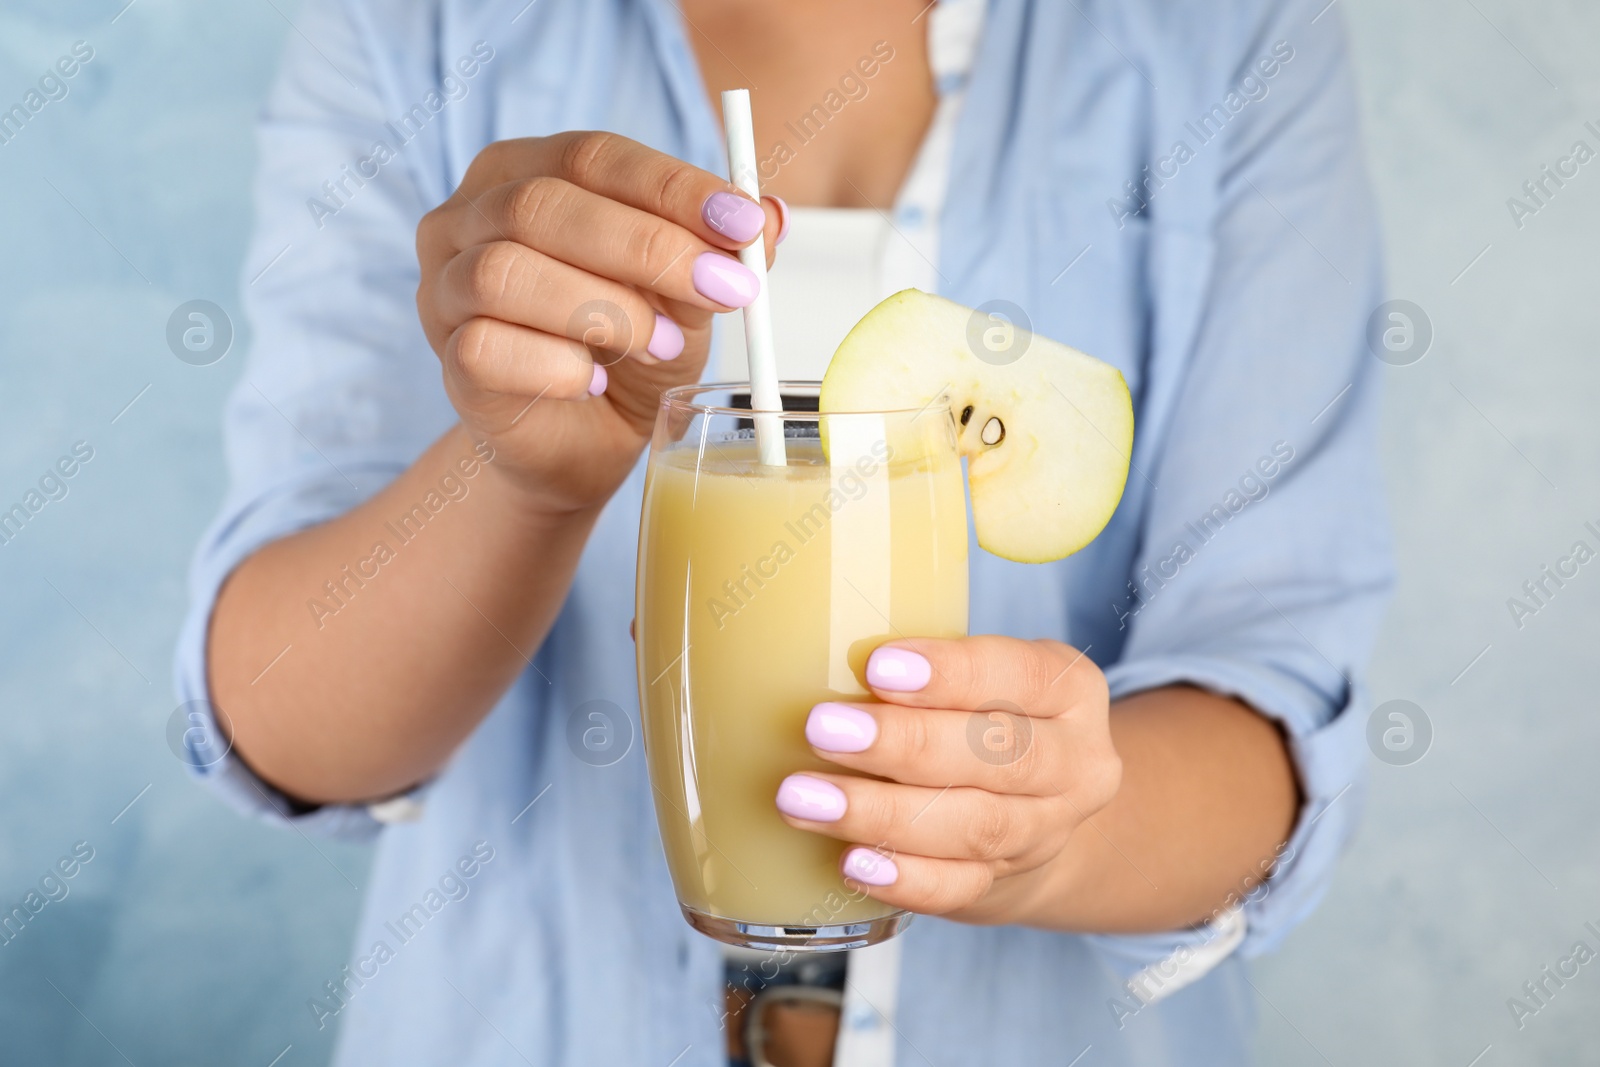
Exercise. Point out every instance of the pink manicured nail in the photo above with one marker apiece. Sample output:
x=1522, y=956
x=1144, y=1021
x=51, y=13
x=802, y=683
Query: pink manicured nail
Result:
x=666, y=341
x=805, y=797
x=727, y=281
x=734, y=216
x=597, y=384
x=898, y=670
x=841, y=728
x=870, y=868
x=783, y=218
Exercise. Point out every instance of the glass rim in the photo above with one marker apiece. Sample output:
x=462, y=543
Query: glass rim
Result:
x=676, y=398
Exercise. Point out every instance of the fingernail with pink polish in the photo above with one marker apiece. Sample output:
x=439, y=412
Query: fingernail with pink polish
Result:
x=727, y=281
x=783, y=218
x=869, y=867
x=898, y=670
x=597, y=384
x=666, y=341
x=804, y=797
x=840, y=728
x=733, y=216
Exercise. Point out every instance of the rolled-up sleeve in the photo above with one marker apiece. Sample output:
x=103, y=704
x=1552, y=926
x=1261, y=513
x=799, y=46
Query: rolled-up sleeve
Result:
x=1264, y=563
x=340, y=391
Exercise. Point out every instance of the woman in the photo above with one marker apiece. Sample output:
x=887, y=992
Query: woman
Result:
x=1176, y=189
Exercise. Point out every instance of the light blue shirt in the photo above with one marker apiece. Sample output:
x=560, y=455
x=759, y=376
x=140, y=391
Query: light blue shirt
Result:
x=1230, y=282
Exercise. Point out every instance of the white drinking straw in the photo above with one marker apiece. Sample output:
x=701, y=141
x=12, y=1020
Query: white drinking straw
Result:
x=741, y=132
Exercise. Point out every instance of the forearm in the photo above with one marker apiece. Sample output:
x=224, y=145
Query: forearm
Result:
x=1208, y=796
x=381, y=677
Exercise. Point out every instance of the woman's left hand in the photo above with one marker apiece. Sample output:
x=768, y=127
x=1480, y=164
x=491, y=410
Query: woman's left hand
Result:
x=996, y=750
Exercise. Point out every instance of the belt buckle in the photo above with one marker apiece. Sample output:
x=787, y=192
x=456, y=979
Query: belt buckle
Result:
x=777, y=996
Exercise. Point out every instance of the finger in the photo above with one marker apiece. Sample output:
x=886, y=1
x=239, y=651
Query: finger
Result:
x=950, y=823
x=513, y=283
x=777, y=228
x=487, y=355
x=1037, y=678
x=996, y=749
x=626, y=171
x=606, y=238
x=916, y=883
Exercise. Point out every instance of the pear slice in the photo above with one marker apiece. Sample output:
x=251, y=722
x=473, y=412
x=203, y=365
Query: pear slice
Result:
x=1047, y=431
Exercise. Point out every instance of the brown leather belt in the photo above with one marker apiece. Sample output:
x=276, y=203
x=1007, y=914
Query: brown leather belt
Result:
x=783, y=1025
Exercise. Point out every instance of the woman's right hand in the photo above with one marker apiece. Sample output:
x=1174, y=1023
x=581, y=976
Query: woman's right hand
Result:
x=568, y=281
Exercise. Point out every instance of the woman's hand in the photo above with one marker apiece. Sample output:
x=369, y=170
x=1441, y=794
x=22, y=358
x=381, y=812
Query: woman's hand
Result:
x=996, y=750
x=568, y=281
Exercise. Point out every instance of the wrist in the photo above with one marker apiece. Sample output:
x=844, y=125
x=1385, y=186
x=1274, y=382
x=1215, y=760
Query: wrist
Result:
x=529, y=504
x=526, y=497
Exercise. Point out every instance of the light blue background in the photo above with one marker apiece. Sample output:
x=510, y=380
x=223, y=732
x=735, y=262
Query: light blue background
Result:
x=196, y=937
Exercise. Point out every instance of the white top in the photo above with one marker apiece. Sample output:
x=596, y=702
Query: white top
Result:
x=827, y=275
x=835, y=265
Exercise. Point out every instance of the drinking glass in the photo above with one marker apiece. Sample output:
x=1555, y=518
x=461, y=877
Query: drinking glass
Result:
x=761, y=591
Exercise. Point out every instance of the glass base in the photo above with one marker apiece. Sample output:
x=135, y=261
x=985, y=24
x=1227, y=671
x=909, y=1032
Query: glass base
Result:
x=835, y=938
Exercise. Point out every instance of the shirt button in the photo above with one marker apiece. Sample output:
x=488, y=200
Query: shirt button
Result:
x=949, y=83
x=862, y=1017
x=912, y=215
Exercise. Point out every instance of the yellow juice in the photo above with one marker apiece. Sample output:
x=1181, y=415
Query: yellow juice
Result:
x=761, y=592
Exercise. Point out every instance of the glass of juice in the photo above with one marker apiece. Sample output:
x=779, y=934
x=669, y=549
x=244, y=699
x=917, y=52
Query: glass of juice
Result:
x=761, y=591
